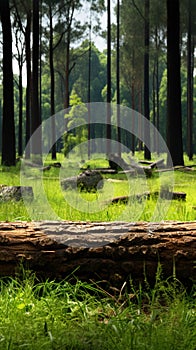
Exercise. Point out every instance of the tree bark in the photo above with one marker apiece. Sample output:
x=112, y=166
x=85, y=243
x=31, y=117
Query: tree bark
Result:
x=8, y=126
x=20, y=128
x=108, y=117
x=35, y=117
x=118, y=76
x=174, y=113
x=190, y=80
x=52, y=85
x=147, y=153
x=29, y=87
x=102, y=251
x=89, y=180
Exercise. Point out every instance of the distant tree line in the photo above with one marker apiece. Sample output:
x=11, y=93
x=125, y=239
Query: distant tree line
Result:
x=152, y=69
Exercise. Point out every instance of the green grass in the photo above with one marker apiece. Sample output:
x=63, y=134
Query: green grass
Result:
x=53, y=315
x=52, y=203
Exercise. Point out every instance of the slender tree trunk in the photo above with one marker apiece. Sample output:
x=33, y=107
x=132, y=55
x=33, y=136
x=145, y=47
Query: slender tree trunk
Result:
x=20, y=145
x=147, y=153
x=174, y=118
x=36, y=120
x=52, y=86
x=157, y=88
x=28, y=88
x=140, y=126
x=67, y=71
x=118, y=77
x=8, y=127
x=154, y=103
x=89, y=91
x=108, y=124
x=190, y=68
x=40, y=61
x=133, y=117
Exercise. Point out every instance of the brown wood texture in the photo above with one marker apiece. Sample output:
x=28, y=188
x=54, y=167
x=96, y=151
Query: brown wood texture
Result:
x=101, y=251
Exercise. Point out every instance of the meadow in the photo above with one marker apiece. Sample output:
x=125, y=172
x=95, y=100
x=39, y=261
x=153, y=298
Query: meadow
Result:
x=37, y=315
x=51, y=202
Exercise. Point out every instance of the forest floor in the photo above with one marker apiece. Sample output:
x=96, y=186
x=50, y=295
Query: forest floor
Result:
x=52, y=315
x=51, y=202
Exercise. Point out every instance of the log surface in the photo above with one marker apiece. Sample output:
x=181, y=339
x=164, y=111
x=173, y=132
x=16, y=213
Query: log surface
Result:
x=88, y=180
x=109, y=251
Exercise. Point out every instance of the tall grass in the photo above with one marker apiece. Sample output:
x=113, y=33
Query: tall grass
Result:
x=53, y=315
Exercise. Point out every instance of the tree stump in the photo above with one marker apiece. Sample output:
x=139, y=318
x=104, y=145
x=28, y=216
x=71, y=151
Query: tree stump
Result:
x=112, y=252
x=16, y=193
x=89, y=180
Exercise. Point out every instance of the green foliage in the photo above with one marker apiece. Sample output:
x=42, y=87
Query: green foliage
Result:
x=163, y=106
x=76, y=124
x=80, y=74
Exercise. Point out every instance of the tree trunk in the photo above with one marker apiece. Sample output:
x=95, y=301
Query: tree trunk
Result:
x=174, y=117
x=28, y=88
x=66, y=105
x=110, y=252
x=190, y=69
x=35, y=118
x=108, y=119
x=89, y=90
x=147, y=153
x=52, y=87
x=133, y=117
x=154, y=105
x=20, y=133
x=140, y=144
x=8, y=127
x=157, y=90
x=118, y=76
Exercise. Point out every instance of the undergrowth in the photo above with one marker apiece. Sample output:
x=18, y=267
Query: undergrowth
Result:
x=52, y=315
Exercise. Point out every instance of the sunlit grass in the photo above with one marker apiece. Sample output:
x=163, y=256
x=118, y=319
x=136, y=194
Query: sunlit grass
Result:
x=51, y=202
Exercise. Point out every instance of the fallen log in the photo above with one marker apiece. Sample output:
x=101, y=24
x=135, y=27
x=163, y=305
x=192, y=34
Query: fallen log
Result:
x=125, y=199
x=101, y=170
x=118, y=163
x=112, y=252
x=164, y=194
x=187, y=169
x=156, y=164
